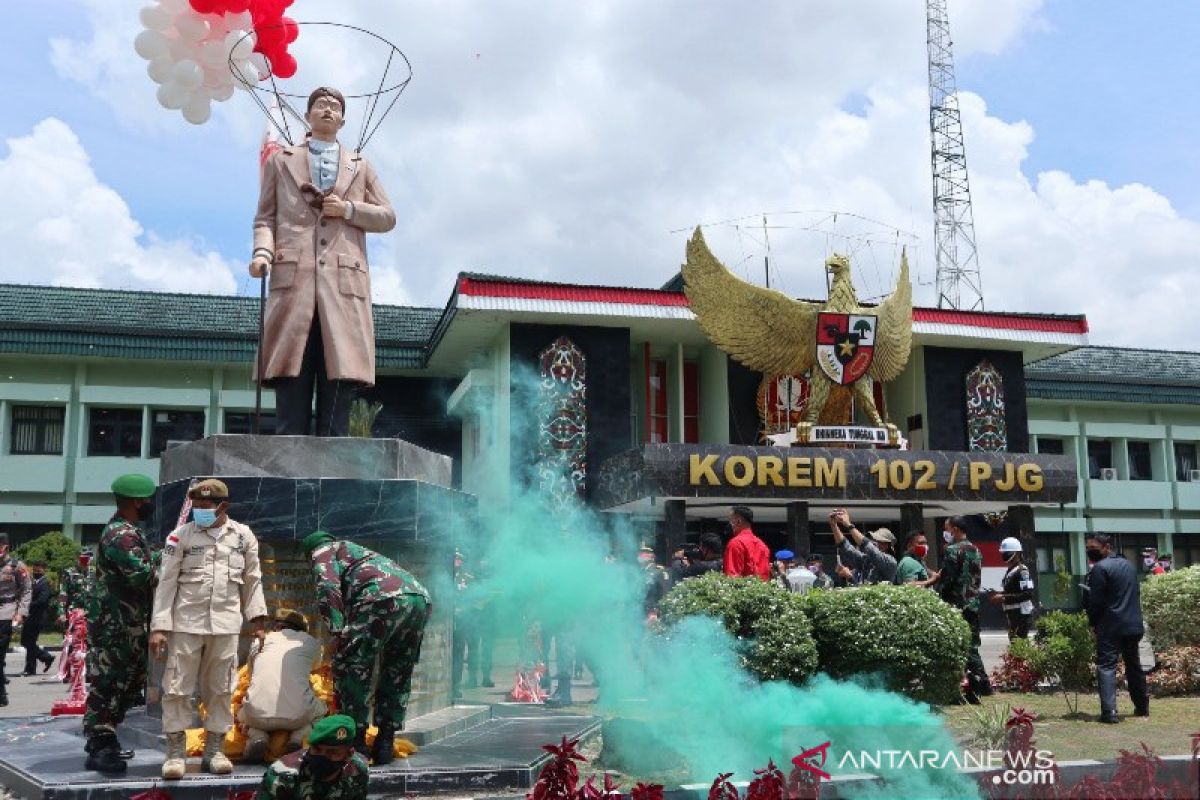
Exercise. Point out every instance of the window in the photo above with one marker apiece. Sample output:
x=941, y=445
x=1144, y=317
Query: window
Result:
x=174, y=426
x=243, y=422
x=1099, y=456
x=691, y=401
x=37, y=430
x=1053, y=553
x=1185, y=552
x=115, y=432
x=656, y=414
x=1050, y=446
x=1185, y=460
x=1139, y=461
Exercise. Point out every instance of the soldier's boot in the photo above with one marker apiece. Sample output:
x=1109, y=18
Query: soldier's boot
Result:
x=383, y=751
x=175, y=766
x=104, y=753
x=215, y=761
x=124, y=752
x=561, y=696
x=256, y=746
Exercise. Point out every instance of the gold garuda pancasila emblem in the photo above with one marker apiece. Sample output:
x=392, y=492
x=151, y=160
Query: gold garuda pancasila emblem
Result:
x=851, y=346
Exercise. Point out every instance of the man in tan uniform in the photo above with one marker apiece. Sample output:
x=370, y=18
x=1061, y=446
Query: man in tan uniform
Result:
x=210, y=581
x=280, y=697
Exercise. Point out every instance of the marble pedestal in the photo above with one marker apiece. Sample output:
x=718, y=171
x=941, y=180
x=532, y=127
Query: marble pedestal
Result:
x=385, y=494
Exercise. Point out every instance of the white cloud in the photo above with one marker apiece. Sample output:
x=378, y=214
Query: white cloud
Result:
x=567, y=142
x=63, y=226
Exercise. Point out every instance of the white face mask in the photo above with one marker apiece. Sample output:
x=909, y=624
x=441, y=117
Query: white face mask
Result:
x=947, y=537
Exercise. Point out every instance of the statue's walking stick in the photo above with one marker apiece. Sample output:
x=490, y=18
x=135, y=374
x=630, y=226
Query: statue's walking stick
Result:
x=262, y=303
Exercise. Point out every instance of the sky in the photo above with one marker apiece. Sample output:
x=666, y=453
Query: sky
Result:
x=582, y=143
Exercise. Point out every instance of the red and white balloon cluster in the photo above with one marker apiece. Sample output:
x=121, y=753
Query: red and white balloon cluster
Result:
x=195, y=47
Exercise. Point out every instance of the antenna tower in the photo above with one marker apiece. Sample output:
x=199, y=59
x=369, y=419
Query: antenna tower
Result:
x=958, y=282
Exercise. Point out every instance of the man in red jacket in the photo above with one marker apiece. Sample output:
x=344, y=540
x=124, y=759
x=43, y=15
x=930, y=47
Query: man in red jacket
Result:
x=746, y=555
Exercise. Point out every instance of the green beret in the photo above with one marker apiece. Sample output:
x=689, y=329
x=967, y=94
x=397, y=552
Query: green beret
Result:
x=315, y=540
x=134, y=485
x=336, y=729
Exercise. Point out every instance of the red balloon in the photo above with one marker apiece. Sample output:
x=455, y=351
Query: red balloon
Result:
x=270, y=37
x=237, y=6
x=283, y=65
x=291, y=31
x=205, y=6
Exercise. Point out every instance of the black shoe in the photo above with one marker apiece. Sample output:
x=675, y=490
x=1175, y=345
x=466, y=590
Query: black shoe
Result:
x=28, y=674
x=487, y=683
x=383, y=751
x=3, y=699
x=1110, y=719
x=104, y=754
x=1142, y=712
x=97, y=740
x=559, y=699
x=47, y=663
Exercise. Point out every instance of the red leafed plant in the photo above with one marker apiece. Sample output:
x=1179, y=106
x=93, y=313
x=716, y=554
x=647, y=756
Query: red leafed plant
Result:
x=646, y=791
x=722, y=788
x=768, y=785
x=1014, y=674
x=591, y=791
x=560, y=777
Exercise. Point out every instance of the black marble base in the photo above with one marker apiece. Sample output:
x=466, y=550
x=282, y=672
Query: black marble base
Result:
x=42, y=757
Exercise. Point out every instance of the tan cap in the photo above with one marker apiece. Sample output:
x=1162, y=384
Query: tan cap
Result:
x=209, y=489
x=883, y=535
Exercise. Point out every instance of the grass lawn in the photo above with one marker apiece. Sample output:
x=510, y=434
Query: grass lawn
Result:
x=50, y=639
x=1167, y=730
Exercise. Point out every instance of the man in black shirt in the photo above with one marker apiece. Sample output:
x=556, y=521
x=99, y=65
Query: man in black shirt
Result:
x=1114, y=610
x=39, y=604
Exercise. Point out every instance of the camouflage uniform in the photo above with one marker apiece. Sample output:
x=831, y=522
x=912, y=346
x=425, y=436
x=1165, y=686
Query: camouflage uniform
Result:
x=287, y=779
x=373, y=609
x=958, y=585
x=73, y=590
x=118, y=612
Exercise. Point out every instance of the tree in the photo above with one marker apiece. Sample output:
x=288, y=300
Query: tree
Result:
x=57, y=550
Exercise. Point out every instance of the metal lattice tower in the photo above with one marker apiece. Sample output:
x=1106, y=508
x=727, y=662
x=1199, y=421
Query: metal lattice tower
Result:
x=958, y=281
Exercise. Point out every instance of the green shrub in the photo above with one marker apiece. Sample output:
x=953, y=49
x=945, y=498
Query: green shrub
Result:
x=1171, y=606
x=1063, y=650
x=776, y=637
x=56, y=549
x=918, y=643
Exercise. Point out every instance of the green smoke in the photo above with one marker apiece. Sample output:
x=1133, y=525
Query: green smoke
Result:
x=573, y=571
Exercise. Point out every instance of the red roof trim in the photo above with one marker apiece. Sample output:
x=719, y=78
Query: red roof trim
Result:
x=657, y=297
x=576, y=294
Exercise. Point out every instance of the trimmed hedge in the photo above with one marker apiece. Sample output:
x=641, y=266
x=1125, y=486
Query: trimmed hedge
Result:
x=907, y=635
x=1171, y=608
x=776, y=640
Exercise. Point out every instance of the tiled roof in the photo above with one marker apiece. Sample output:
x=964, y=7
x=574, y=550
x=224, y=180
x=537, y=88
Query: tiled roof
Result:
x=47, y=320
x=1117, y=374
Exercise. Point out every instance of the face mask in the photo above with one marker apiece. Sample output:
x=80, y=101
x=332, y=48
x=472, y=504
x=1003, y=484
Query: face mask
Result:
x=1008, y=557
x=322, y=766
x=919, y=550
x=1094, y=554
x=204, y=517
x=1148, y=563
x=947, y=537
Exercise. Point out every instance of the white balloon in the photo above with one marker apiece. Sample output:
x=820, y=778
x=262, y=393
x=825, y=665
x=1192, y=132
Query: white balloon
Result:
x=239, y=43
x=261, y=65
x=239, y=22
x=217, y=27
x=211, y=54
x=188, y=74
x=191, y=26
x=151, y=45
x=172, y=96
x=155, y=18
x=181, y=48
x=223, y=92
x=198, y=108
x=246, y=73
x=159, y=69
x=174, y=6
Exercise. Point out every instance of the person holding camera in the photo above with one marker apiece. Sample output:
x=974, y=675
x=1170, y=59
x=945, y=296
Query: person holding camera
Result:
x=693, y=560
x=871, y=557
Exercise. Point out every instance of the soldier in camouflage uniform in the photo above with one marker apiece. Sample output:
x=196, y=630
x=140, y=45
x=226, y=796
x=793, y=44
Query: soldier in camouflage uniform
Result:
x=958, y=584
x=329, y=769
x=73, y=587
x=373, y=609
x=118, y=613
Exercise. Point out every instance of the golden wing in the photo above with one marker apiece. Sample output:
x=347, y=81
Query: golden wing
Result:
x=893, y=333
x=764, y=329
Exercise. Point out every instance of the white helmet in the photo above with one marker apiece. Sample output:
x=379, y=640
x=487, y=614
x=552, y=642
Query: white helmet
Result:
x=1011, y=545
